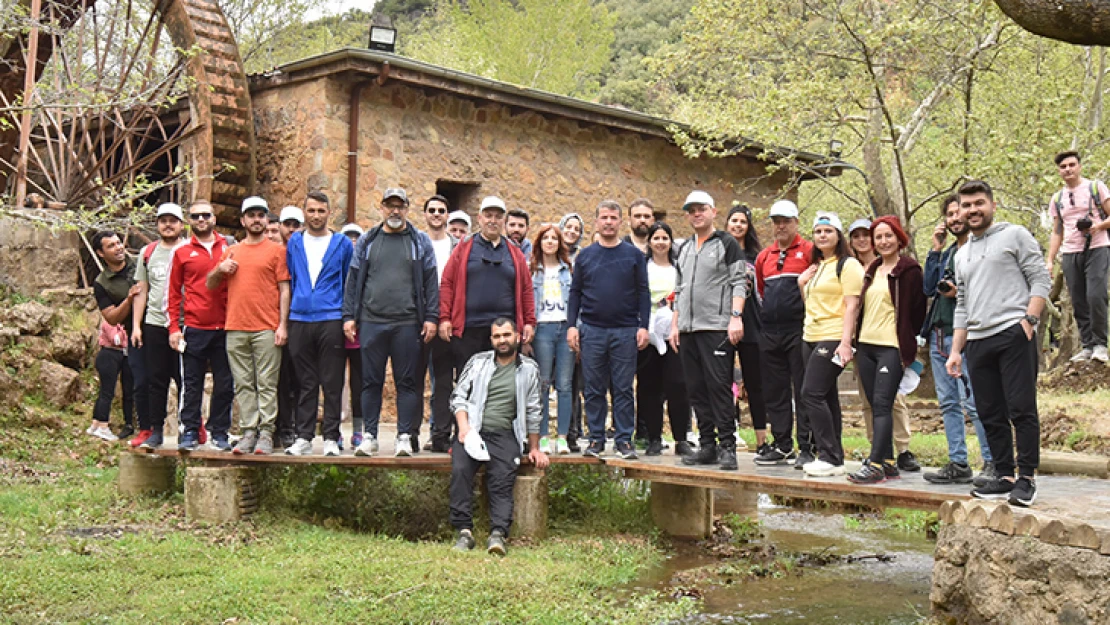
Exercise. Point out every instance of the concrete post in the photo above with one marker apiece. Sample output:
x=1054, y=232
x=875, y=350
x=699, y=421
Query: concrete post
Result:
x=145, y=473
x=220, y=494
x=738, y=500
x=530, y=506
x=682, y=511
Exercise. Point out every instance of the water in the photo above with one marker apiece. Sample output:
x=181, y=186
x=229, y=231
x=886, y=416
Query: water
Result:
x=868, y=592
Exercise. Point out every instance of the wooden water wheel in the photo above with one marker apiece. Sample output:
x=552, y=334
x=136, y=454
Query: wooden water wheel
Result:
x=140, y=96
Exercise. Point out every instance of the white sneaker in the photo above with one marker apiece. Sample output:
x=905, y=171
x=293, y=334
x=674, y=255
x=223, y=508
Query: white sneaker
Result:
x=404, y=446
x=561, y=446
x=553, y=447
x=1084, y=355
x=373, y=443
x=301, y=447
x=546, y=444
x=102, y=433
x=331, y=448
x=1100, y=354
x=367, y=448
x=820, y=468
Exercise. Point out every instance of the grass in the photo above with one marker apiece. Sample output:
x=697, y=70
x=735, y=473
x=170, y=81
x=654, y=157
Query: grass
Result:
x=906, y=521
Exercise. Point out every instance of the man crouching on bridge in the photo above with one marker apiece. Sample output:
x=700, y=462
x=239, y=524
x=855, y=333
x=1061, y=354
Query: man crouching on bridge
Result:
x=496, y=401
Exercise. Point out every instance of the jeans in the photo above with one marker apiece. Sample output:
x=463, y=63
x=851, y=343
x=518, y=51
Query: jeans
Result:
x=112, y=364
x=401, y=344
x=955, y=398
x=1003, y=370
x=608, y=366
x=556, y=366
x=1085, y=274
x=256, y=366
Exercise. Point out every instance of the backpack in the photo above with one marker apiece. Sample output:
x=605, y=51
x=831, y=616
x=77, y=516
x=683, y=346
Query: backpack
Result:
x=1058, y=202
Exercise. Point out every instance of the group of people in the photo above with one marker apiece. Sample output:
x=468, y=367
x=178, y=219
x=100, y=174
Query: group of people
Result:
x=632, y=325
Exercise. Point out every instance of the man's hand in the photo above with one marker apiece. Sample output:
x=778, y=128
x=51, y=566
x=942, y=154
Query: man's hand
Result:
x=527, y=334
x=445, y=332
x=955, y=364
x=1028, y=328
x=641, y=338
x=281, y=335
x=940, y=236
x=349, y=330
x=538, y=458
x=735, y=330
x=572, y=339
x=1048, y=265
x=228, y=266
x=429, y=331
x=463, y=431
x=134, y=291
x=175, y=341
x=673, y=338
x=137, y=337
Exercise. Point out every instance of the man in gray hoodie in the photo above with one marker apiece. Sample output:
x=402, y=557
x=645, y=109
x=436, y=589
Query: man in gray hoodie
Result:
x=1002, y=285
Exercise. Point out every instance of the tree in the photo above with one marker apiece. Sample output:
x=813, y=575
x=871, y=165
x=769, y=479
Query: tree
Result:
x=298, y=40
x=555, y=45
x=257, y=22
x=1074, y=21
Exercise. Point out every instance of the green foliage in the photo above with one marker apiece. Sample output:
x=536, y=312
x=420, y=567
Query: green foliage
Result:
x=643, y=28
x=554, y=45
x=593, y=500
x=297, y=39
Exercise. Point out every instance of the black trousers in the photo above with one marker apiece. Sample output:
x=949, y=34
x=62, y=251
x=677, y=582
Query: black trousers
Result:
x=880, y=370
x=504, y=458
x=661, y=379
x=472, y=341
x=289, y=392
x=1003, y=370
x=707, y=360
x=821, y=400
x=319, y=356
x=163, y=364
x=751, y=367
x=203, y=349
x=112, y=365
x=354, y=384
x=785, y=367
x=437, y=357
x=576, y=384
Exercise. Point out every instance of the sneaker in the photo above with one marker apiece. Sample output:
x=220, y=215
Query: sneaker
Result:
x=246, y=444
x=356, y=440
x=804, y=457
x=219, y=442
x=987, y=474
x=626, y=451
x=415, y=444
x=265, y=444
x=1024, y=492
x=706, y=455
x=439, y=446
x=762, y=449
x=140, y=438
x=1083, y=356
x=907, y=462
x=727, y=459
x=951, y=473
x=998, y=489
x=126, y=432
x=572, y=444
x=103, y=433
x=202, y=433
x=189, y=441
x=403, y=446
x=545, y=444
x=300, y=447
x=465, y=541
x=890, y=471
x=868, y=474
x=496, y=543
x=366, y=449
x=683, y=448
x=820, y=468
x=339, y=443
x=331, y=448
x=154, y=441
x=427, y=446
x=287, y=440
x=654, y=448
x=552, y=447
x=561, y=446
x=1100, y=354
x=595, y=449
x=772, y=456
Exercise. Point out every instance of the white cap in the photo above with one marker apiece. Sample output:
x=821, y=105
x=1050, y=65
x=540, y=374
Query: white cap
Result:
x=698, y=197
x=825, y=218
x=859, y=223
x=784, y=208
x=169, y=208
x=291, y=212
x=459, y=216
x=474, y=445
x=911, y=378
x=492, y=201
x=255, y=202
x=351, y=229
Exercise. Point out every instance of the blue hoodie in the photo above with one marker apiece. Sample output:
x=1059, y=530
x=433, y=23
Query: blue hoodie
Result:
x=324, y=302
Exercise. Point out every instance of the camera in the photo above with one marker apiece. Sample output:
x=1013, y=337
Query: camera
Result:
x=1084, y=224
x=947, y=284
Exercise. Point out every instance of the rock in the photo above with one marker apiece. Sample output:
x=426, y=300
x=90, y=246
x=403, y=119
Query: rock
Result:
x=69, y=298
x=59, y=384
x=70, y=348
x=8, y=336
x=37, y=347
x=30, y=318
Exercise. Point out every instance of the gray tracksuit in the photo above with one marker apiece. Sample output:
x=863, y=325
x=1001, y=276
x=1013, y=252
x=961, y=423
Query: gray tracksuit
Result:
x=470, y=393
x=708, y=279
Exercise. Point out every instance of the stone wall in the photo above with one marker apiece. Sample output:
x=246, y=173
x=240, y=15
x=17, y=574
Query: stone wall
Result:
x=33, y=259
x=411, y=138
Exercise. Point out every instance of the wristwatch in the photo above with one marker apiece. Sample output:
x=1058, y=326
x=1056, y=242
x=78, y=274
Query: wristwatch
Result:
x=737, y=313
x=1032, y=320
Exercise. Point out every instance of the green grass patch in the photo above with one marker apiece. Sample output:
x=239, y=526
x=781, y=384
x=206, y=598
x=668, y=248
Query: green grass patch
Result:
x=898, y=519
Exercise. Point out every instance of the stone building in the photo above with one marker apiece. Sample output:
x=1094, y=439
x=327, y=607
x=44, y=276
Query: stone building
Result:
x=434, y=130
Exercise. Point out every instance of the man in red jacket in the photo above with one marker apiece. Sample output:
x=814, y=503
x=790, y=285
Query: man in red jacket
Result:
x=202, y=341
x=485, y=279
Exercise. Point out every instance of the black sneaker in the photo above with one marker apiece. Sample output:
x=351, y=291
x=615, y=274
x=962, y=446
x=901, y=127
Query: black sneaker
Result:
x=572, y=444
x=654, y=448
x=439, y=446
x=907, y=462
x=706, y=455
x=950, y=473
x=287, y=440
x=727, y=458
x=626, y=451
x=998, y=489
x=773, y=456
x=496, y=543
x=986, y=475
x=868, y=474
x=465, y=542
x=683, y=448
x=762, y=449
x=125, y=432
x=189, y=441
x=890, y=471
x=1024, y=492
x=154, y=441
x=804, y=457
x=594, y=450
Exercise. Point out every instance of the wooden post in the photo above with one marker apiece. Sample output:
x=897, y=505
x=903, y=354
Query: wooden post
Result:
x=29, y=78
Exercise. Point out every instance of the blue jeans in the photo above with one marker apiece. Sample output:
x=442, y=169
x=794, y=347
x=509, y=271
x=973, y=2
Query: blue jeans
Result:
x=608, y=366
x=399, y=343
x=955, y=397
x=556, y=365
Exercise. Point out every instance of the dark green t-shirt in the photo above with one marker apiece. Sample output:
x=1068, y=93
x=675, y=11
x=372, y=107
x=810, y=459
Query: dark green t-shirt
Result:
x=500, y=407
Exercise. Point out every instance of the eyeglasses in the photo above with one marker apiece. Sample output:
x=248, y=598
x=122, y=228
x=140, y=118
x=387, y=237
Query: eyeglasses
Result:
x=436, y=211
x=199, y=216
x=782, y=259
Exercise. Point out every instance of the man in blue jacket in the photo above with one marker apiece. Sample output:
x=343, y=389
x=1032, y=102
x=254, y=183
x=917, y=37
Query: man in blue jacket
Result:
x=392, y=304
x=318, y=260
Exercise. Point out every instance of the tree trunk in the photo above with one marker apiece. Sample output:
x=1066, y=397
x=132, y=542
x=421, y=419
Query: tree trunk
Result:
x=1083, y=22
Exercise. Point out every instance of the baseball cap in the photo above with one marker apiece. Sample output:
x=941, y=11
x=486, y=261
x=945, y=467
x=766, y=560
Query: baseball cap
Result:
x=698, y=197
x=475, y=447
x=255, y=202
x=169, y=208
x=824, y=218
x=784, y=208
x=397, y=193
x=292, y=212
x=459, y=216
x=351, y=229
x=492, y=201
x=859, y=223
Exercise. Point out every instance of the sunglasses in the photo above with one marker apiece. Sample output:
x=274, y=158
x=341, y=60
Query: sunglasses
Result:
x=199, y=216
x=782, y=260
x=436, y=211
